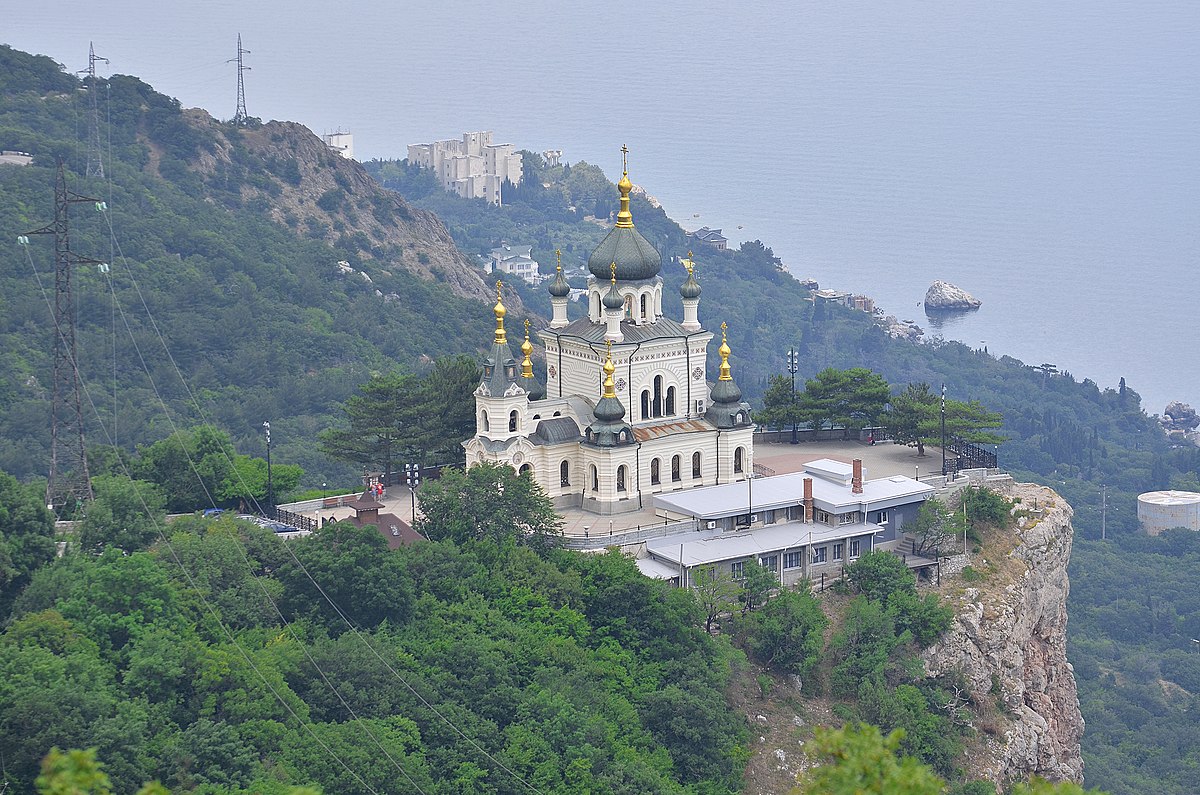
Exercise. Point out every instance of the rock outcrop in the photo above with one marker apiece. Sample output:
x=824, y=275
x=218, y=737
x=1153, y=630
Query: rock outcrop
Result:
x=943, y=296
x=1008, y=644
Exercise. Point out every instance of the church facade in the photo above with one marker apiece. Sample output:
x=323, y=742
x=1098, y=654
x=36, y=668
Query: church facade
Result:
x=627, y=410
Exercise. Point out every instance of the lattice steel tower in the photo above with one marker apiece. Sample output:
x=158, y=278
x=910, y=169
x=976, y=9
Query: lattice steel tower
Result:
x=240, y=116
x=69, y=483
x=95, y=163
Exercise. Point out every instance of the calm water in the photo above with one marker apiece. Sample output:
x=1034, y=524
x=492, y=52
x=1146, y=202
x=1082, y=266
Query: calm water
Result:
x=1042, y=156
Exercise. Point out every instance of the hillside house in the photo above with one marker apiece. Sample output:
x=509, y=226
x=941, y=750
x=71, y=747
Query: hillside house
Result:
x=710, y=237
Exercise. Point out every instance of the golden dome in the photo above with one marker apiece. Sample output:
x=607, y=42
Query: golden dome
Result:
x=724, y=353
x=500, y=312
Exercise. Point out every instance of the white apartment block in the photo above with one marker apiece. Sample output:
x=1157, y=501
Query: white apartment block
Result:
x=473, y=168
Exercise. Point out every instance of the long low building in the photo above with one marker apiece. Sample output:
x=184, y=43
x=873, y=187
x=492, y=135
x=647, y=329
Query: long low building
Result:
x=799, y=525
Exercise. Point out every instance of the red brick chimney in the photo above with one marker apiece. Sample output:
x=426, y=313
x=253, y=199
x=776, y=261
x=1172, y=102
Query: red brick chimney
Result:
x=808, y=501
x=856, y=478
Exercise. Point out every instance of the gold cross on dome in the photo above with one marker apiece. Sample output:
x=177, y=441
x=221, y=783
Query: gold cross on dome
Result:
x=723, y=327
x=499, y=285
x=624, y=159
x=558, y=257
x=613, y=268
x=526, y=327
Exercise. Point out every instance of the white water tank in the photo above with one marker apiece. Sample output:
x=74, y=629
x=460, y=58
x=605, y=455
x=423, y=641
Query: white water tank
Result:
x=1162, y=510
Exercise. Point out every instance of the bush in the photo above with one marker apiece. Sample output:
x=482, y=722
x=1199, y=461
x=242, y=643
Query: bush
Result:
x=787, y=633
x=879, y=574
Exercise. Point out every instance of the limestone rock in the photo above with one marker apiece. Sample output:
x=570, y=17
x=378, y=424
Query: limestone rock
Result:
x=943, y=295
x=1009, y=643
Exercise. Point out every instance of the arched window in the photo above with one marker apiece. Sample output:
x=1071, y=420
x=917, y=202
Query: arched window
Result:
x=595, y=479
x=524, y=468
x=644, y=302
x=629, y=307
x=737, y=459
x=670, y=401
x=675, y=477
x=696, y=464
x=621, y=478
x=654, y=472
x=596, y=305
x=658, y=395
x=483, y=421
x=564, y=472
x=645, y=404
x=512, y=421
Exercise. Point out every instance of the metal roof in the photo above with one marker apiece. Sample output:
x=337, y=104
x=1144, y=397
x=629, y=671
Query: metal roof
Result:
x=714, y=546
x=663, y=328
x=782, y=491
x=644, y=433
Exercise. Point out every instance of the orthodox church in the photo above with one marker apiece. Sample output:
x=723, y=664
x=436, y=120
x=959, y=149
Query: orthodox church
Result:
x=626, y=411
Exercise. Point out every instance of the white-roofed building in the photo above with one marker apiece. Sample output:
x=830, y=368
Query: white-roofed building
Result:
x=800, y=525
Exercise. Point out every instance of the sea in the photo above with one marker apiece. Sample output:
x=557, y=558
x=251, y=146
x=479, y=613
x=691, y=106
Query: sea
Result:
x=1042, y=156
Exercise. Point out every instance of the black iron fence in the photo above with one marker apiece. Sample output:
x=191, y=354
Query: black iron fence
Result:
x=292, y=519
x=968, y=456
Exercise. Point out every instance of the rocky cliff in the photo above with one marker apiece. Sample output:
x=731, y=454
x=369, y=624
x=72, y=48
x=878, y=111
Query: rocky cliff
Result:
x=1008, y=644
x=943, y=296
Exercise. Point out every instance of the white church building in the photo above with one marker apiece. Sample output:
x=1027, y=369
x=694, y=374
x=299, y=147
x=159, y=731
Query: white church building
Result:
x=627, y=411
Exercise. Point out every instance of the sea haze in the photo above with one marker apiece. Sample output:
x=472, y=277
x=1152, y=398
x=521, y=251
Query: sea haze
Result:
x=1041, y=156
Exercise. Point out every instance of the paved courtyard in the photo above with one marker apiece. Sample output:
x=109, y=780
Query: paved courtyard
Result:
x=879, y=460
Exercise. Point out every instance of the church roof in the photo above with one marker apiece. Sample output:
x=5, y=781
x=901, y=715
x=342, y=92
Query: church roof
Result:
x=663, y=328
x=644, y=433
x=555, y=431
x=624, y=246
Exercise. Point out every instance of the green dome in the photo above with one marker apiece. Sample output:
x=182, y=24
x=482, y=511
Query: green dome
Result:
x=690, y=289
x=636, y=259
x=559, y=287
x=726, y=392
x=612, y=299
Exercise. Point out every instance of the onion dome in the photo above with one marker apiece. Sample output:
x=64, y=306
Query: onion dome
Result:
x=499, y=366
x=610, y=428
x=727, y=409
x=612, y=299
x=635, y=258
x=690, y=289
x=559, y=287
x=528, y=382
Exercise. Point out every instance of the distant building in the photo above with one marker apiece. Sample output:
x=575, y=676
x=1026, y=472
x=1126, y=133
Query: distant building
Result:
x=553, y=157
x=1162, y=510
x=710, y=237
x=473, y=168
x=15, y=158
x=340, y=142
x=515, y=261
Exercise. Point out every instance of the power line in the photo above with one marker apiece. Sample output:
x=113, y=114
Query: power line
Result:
x=240, y=116
x=95, y=163
x=68, y=484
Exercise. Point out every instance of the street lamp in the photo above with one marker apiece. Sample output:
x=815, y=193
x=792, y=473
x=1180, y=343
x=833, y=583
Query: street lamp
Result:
x=412, y=477
x=792, y=367
x=943, y=429
x=270, y=490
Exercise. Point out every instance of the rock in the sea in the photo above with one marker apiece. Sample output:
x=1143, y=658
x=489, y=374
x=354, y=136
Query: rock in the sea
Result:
x=943, y=295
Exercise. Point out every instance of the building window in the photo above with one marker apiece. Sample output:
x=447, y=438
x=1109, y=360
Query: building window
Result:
x=512, y=421
x=595, y=479
x=483, y=421
x=621, y=478
x=564, y=473
x=737, y=569
x=524, y=468
x=847, y=518
x=654, y=472
x=855, y=548
x=658, y=396
x=738, y=454
x=837, y=551
x=881, y=517
x=791, y=560
x=696, y=465
x=675, y=476
x=769, y=562
x=670, y=410
x=822, y=517
x=643, y=307
x=645, y=404
x=818, y=555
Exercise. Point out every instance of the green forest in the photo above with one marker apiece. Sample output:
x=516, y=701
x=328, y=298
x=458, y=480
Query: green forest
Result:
x=213, y=314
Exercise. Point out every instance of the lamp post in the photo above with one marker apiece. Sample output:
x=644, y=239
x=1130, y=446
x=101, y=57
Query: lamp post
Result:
x=792, y=368
x=943, y=430
x=412, y=477
x=270, y=485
